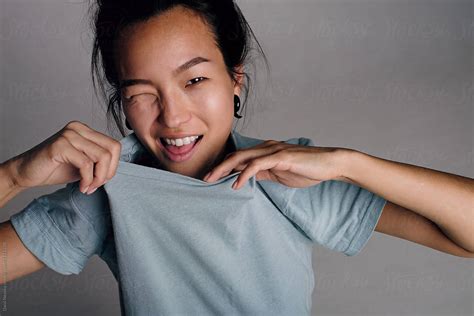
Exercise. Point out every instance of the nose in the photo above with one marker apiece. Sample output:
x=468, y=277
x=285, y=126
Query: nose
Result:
x=174, y=112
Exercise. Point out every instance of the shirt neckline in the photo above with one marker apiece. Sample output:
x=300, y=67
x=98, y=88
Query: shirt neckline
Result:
x=133, y=148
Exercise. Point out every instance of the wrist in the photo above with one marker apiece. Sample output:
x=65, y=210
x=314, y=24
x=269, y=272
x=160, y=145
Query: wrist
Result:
x=345, y=159
x=8, y=173
x=9, y=188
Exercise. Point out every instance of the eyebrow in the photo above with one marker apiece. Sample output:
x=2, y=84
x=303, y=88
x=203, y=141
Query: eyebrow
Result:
x=190, y=63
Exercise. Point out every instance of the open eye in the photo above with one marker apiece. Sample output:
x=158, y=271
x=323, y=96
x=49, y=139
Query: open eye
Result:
x=196, y=80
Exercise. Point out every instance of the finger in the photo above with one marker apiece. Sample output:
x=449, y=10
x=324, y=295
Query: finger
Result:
x=100, y=156
x=112, y=145
x=82, y=162
x=258, y=164
x=230, y=156
x=242, y=157
x=239, y=167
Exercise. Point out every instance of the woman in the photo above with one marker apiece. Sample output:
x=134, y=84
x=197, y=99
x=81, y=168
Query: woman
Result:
x=176, y=70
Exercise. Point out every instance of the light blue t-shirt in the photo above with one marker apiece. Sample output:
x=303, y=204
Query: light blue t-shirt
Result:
x=178, y=245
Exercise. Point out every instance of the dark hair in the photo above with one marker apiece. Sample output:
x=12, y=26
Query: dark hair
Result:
x=232, y=35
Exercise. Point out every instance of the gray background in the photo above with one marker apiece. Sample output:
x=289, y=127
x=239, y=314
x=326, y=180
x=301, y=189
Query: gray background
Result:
x=390, y=78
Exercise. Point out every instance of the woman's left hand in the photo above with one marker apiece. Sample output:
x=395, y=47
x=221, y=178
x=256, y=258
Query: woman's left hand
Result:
x=292, y=165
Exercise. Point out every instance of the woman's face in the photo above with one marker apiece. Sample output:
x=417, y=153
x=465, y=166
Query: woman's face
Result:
x=175, y=84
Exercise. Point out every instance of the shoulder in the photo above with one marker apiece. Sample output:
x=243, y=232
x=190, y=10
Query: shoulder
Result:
x=94, y=207
x=64, y=228
x=243, y=141
x=70, y=204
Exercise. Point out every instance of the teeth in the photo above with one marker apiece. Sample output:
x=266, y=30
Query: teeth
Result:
x=180, y=141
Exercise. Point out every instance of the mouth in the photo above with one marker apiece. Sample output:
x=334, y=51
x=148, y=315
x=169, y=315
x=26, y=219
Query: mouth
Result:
x=179, y=153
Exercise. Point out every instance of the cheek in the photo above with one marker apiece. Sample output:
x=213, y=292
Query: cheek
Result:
x=216, y=102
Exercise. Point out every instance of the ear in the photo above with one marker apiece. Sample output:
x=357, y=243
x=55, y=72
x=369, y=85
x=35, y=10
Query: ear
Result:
x=239, y=78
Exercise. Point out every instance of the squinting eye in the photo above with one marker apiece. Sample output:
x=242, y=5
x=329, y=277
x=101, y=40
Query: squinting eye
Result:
x=143, y=98
x=196, y=80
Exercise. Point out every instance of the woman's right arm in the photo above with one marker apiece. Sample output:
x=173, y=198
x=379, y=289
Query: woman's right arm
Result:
x=17, y=260
x=15, y=256
x=76, y=152
x=8, y=188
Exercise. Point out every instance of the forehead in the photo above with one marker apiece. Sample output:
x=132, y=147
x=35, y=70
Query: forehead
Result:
x=164, y=42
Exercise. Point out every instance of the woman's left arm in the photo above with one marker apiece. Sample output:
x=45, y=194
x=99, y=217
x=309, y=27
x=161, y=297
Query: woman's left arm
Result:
x=445, y=199
x=429, y=207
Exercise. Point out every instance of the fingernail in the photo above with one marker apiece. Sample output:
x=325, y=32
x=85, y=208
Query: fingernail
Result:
x=207, y=176
x=85, y=190
x=89, y=193
x=234, y=185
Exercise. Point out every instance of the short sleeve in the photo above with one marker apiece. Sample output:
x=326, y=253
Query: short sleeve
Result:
x=334, y=214
x=65, y=228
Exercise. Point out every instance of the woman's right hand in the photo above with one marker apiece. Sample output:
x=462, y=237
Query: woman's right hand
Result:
x=75, y=152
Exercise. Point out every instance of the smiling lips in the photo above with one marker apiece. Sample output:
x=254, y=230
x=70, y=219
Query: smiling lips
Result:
x=180, y=153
